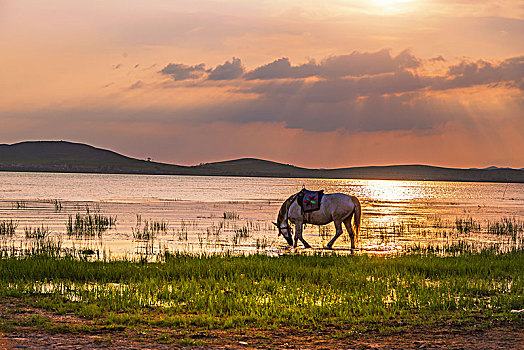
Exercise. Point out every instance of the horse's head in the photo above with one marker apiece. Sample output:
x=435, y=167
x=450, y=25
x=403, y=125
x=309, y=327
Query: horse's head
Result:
x=286, y=231
x=283, y=222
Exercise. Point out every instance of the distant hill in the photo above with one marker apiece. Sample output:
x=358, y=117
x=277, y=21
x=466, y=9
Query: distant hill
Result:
x=64, y=156
x=61, y=156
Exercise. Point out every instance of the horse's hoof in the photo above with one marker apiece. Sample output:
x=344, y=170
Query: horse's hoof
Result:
x=307, y=246
x=328, y=247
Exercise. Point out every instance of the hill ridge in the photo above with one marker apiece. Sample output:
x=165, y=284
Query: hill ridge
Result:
x=66, y=156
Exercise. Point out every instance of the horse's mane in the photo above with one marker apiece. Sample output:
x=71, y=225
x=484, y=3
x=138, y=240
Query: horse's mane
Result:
x=284, y=209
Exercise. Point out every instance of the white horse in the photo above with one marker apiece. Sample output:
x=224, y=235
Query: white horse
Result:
x=336, y=207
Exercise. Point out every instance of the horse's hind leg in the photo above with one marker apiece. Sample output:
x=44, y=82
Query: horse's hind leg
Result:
x=338, y=232
x=349, y=227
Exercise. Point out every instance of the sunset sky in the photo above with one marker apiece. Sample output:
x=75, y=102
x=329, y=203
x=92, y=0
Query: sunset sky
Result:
x=333, y=83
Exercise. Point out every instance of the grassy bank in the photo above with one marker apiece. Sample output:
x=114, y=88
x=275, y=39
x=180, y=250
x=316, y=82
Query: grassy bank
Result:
x=355, y=293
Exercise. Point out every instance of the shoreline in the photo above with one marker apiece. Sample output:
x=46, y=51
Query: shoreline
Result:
x=265, y=176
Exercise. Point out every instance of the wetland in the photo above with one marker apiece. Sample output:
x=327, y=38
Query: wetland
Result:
x=129, y=261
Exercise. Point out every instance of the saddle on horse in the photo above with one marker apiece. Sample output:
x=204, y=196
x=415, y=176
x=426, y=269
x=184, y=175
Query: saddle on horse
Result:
x=309, y=200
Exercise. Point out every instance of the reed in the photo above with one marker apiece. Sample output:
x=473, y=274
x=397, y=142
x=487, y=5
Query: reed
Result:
x=8, y=227
x=19, y=205
x=37, y=246
x=215, y=230
x=506, y=226
x=182, y=233
x=467, y=226
x=324, y=231
x=240, y=233
x=58, y=205
x=89, y=225
x=243, y=232
x=262, y=243
x=148, y=229
x=231, y=215
x=51, y=247
x=36, y=233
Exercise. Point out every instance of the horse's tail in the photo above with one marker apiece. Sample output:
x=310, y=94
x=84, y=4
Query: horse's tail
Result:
x=357, y=212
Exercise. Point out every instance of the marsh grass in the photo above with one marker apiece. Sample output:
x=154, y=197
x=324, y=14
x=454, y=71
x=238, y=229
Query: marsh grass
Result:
x=8, y=227
x=42, y=246
x=240, y=233
x=89, y=225
x=317, y=291
x=243, y=232
x=467, y=226
x=148, y=229
x=19, y=205
x=324, y=231
x=58, y=205
x=215, y=230
x=506, y=226
x=182, y=233
x=36, y=233
x=262, y=243
x=453, y=231
x=394, y=229
x=231, y=215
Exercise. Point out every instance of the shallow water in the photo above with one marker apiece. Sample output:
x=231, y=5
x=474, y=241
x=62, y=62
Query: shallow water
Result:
x=213, y=214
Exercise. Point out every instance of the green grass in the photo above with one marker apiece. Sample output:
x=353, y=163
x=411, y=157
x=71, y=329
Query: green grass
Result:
x=356, y=292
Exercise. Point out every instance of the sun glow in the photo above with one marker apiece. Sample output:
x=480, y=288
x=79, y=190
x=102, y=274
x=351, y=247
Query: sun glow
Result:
x=392, y=6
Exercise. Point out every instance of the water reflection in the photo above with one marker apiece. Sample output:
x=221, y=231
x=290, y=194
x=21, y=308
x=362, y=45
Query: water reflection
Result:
x=222, y=214
x=393, y=191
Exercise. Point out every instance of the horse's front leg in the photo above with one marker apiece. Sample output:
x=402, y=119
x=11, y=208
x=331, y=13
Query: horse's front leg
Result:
x=298, y=236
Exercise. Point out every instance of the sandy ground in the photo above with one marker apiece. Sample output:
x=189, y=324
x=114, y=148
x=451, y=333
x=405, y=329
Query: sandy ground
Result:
x=22, y=334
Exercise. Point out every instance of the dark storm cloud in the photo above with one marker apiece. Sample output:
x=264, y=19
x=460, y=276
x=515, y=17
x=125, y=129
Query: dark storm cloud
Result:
x=228, y=71
x=180, y=71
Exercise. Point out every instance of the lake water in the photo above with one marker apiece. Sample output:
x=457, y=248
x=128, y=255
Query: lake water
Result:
x=234, y=214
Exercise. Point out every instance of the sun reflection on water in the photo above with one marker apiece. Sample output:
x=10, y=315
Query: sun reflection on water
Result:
x=393, y=191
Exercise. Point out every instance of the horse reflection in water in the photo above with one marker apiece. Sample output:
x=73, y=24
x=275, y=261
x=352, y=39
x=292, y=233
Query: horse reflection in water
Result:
x=337, y=207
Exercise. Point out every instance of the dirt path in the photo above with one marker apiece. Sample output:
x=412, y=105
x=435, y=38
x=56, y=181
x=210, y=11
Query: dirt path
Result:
x=26, y=327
